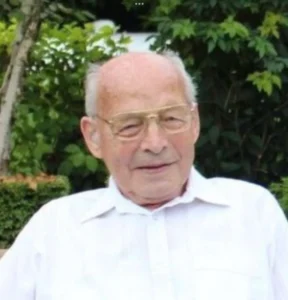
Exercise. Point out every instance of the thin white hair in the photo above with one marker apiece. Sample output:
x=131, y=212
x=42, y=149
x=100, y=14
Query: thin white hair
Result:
x=92, y=79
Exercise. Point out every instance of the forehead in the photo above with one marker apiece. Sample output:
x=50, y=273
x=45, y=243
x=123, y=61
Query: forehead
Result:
x=139, y=82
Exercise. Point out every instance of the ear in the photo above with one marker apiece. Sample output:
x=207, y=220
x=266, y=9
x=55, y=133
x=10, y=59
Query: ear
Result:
x=90, y=133
x=195, y=123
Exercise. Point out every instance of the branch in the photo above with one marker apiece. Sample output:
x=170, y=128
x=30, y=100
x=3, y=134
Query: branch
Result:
x=27, y=32
x=31, y=11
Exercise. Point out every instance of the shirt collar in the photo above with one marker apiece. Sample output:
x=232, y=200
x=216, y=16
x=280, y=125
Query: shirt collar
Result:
x=102, y=203
x=207, y=190
x=198, y=188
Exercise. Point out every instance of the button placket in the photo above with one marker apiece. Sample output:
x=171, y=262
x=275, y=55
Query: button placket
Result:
x=159, y=257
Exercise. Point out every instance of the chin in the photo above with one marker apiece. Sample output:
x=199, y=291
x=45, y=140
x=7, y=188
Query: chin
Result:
x=162, y=193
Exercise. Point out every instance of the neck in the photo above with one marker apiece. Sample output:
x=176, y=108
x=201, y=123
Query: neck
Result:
x=152, y=203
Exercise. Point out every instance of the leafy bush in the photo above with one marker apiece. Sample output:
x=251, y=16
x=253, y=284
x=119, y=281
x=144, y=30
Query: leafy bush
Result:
x=237, y=51
x=45, y=134
x=21, y=196
x=280, y=189
x=7, y=33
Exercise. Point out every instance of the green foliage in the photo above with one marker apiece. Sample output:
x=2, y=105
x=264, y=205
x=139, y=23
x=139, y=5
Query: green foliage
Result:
x=264, y=81
x=237, y=53
x=7, y=33
x=45, y=134
x=271, y=23
x=55, y=11
x=19, y=199
x=280, y=189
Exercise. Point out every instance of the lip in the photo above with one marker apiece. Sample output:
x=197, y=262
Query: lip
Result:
x=157, y=168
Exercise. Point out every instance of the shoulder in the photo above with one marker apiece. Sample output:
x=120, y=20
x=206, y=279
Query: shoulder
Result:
x=74, y=206
x=59, y=217
x=247, y=195
x=239, y=188
x=65, y=212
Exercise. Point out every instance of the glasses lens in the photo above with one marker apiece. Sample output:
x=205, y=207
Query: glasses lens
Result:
x=128, y=126
x=175, y=119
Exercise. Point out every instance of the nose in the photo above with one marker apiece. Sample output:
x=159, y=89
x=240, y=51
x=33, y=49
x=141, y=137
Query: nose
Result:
x=154, y=140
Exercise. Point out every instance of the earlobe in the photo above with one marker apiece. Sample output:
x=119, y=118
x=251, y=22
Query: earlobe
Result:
x=95, y=147
x=91, y=136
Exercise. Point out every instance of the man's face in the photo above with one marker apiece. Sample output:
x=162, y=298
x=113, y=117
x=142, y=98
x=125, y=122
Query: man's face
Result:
x=153, y=168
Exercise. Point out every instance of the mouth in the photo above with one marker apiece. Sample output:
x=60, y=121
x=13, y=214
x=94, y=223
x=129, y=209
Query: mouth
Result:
x=155, y=168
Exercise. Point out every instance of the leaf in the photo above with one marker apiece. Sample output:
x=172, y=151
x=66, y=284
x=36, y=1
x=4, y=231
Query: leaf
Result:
x=270, y=25
x=183, y=29
x=264, y=81
x=72, y=148
x=262, y=46
x=268, y=88
x=65, y=168
x=277, y=81
x=222, y=45
x=236, y=46
x=41, y=149
x=91, y=163
x=111, y=43
x=233, y=28
x=63, y=9
x=125, y=39
x=88, y=14
x=107, y=30
x=78, y=159
x=214, y=134
x=211, y=46
x=53, y=114
x=30, y=120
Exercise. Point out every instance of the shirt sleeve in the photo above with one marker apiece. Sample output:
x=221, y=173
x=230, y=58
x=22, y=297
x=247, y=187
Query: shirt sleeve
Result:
x=20, y=264
x=279, y=246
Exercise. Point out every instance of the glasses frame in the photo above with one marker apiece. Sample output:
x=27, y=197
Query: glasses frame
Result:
x=148, y=115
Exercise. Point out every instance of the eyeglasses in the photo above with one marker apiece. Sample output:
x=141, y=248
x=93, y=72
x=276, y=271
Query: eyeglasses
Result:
x=128, y=126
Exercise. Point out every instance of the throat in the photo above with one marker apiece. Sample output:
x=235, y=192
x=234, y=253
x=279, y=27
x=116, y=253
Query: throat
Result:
x=152, y=206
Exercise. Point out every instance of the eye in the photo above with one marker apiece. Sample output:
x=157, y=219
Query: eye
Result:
x=173, y=122
x=128, y=127
x=171, y=119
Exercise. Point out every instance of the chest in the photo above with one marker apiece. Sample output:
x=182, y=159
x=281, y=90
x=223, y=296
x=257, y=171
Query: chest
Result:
x=158, y=258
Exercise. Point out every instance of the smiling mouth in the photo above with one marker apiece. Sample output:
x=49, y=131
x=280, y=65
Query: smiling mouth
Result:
x=154, y=168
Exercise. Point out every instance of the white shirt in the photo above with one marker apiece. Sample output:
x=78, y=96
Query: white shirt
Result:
x=222, y=240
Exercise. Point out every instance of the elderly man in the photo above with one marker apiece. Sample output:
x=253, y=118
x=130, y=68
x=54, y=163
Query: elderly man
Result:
x=160, y=230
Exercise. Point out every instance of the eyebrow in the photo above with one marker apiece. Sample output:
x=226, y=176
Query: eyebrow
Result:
x=151, y=110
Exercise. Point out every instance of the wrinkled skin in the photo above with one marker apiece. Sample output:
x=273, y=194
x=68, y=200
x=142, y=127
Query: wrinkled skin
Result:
x=152, y=170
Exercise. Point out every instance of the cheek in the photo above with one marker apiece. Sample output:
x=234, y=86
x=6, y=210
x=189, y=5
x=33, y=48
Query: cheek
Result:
x=184, y=145
x=118, y=156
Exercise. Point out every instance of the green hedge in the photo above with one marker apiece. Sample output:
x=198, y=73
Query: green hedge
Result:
x=280, y=190
x=21, y=197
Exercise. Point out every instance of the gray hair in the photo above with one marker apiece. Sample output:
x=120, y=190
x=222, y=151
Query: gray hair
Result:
x=92, y=78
